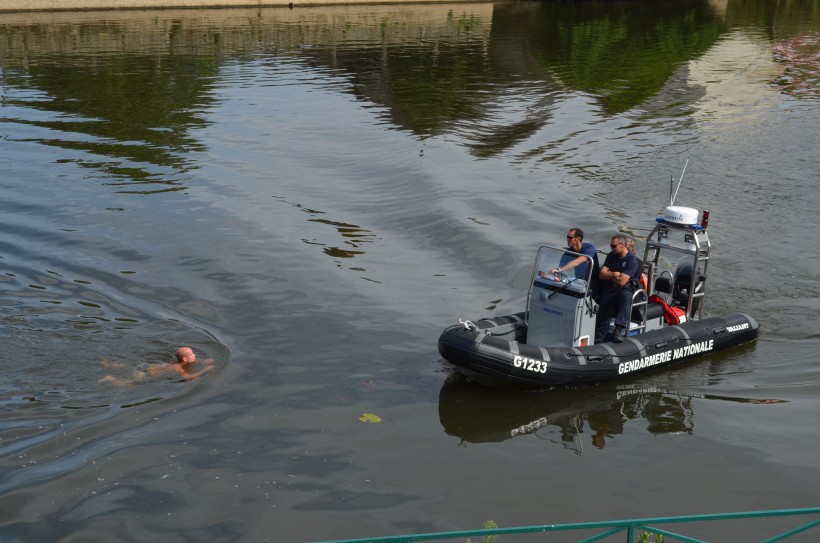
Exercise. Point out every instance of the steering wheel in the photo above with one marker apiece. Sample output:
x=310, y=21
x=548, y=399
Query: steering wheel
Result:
x=557, y=276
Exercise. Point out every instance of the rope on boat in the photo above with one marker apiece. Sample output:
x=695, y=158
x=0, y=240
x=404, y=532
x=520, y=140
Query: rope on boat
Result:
x=468, y=325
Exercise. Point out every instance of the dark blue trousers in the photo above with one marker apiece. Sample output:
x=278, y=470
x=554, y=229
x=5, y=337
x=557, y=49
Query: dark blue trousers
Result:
x=617, y=303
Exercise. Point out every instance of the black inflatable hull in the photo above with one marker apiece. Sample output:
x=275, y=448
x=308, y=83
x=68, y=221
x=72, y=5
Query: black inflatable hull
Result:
x=497, y=351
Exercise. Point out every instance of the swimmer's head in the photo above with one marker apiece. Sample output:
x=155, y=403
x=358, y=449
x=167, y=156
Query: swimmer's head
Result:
x=185, y=355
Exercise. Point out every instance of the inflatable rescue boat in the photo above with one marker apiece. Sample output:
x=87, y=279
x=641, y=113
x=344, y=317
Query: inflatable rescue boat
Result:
x=552, y=342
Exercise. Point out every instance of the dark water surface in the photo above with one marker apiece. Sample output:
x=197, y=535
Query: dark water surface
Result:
x=310, y=196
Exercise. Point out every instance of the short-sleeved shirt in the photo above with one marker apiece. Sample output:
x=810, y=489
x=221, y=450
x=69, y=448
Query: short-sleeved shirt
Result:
x=587, y=249
x=628, y=265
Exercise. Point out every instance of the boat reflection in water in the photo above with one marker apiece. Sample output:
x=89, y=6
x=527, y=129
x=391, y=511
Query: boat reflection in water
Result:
x=481, y=414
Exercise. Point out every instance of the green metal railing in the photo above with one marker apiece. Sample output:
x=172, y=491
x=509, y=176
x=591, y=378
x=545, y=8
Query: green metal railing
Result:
x=611, y=528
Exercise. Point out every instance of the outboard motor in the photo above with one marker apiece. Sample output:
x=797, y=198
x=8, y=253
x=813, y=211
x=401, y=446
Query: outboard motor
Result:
x=682, y=282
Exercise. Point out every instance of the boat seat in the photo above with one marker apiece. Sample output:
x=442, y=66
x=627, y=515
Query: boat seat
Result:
x=641, y=305
x=653, y=311
x=663, y=286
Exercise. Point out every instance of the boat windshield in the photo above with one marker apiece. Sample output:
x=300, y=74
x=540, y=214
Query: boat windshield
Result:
x=573, y=278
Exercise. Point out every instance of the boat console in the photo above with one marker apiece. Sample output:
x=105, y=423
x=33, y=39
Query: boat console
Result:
x=560, y=307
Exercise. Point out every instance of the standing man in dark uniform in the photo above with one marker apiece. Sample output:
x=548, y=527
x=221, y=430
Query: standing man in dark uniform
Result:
x=616, y=293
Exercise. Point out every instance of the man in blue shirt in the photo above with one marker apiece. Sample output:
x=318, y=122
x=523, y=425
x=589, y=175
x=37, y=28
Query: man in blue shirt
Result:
x=576, y=244
x=619, y=267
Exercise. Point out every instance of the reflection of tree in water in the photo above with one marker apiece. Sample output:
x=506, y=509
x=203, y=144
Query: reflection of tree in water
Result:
x=427, y=83
x=478, y=414
x=354, y=237
x=137, y=87
x=129, y=93
x=620, y=54
x=130, y=110
x=504, y=75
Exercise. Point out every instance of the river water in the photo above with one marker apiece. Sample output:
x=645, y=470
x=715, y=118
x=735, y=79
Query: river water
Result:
x=310, y=196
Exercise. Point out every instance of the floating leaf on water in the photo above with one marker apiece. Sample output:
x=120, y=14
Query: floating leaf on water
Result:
x=370, y=417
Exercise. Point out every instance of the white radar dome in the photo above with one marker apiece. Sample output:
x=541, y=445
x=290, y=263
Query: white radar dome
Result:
x=680, y=215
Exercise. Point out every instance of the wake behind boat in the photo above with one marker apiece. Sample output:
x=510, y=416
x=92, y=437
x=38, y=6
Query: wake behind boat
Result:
x=552, y=342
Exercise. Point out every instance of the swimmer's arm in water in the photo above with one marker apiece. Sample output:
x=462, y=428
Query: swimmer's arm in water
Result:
x=192, y=376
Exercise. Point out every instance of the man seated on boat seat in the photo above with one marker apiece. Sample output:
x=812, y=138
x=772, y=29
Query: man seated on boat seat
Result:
x=616, y=294
x=576, y=244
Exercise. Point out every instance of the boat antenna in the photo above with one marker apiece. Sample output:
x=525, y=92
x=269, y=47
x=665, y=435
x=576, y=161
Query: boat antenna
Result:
x=672, y=200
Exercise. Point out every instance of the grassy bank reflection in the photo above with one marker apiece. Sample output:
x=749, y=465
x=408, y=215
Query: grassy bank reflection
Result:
x=130, y=88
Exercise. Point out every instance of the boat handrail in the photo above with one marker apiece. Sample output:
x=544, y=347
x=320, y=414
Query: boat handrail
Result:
x=691, y=241
x=641, y=305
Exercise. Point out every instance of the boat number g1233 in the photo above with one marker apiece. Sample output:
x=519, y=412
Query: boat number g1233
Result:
x=531, y=364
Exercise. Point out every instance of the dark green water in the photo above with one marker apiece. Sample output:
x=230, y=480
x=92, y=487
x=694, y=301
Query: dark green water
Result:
x=310, y=196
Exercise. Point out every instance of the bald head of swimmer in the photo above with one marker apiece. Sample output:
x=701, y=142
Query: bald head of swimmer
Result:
x=185, y=355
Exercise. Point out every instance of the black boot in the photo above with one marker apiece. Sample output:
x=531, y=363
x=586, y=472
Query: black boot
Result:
x=618, y=335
